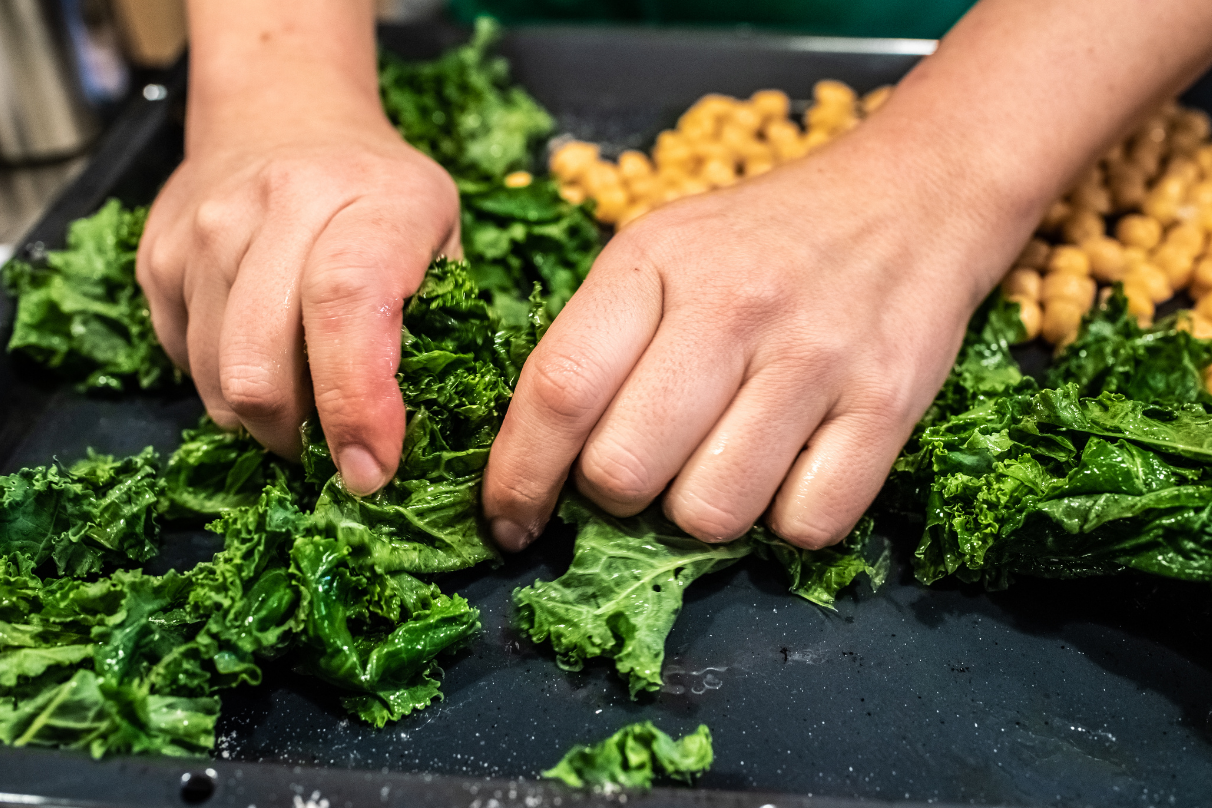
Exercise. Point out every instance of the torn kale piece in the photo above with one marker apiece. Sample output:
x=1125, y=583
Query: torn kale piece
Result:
x=633, y=757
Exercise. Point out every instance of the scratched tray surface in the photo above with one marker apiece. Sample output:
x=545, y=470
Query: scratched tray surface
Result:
x=1091, y=692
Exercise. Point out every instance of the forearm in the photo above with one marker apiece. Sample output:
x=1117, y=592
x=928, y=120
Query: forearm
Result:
x=250, y=55
x=1023, y=94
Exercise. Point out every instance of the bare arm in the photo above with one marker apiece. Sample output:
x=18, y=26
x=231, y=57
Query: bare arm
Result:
x=767, y=349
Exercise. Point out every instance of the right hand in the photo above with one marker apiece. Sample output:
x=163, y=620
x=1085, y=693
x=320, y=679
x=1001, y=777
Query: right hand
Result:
x=297, y=216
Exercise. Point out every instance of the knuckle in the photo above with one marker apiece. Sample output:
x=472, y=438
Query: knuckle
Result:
x=249, y=392
x=615, y=472
x=703, y=520
x=562, y=385
x=336, y=284
x=809, y=536
x=214, y=220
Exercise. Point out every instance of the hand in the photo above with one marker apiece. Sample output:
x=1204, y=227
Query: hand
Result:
x=772, y=342
x=310, y=221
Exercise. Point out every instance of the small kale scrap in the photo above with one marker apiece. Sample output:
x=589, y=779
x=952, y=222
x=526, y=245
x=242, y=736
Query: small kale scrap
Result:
x=623, y=590
x=81, y=312
x=461, y=109
x=633, y=757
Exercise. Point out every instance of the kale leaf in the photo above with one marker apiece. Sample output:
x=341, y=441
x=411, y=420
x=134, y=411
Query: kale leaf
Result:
x=81, y=312
x=623, y=590
x=461, y=110
x=98, y=514
x=633, y=757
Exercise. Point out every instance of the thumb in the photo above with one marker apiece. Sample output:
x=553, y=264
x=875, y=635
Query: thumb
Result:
x=359, y=273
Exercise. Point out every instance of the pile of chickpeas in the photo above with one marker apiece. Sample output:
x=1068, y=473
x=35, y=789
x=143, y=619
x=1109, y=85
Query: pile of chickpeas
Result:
x=717, y=142
x=1140, y=216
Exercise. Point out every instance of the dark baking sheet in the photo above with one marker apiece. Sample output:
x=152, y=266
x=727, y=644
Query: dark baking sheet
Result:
x=1091, y=692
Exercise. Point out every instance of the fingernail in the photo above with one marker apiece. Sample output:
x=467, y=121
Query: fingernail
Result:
x=510, y=535
x=361, y=472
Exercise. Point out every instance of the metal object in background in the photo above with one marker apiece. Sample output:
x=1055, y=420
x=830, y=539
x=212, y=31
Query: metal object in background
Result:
x=42, y=115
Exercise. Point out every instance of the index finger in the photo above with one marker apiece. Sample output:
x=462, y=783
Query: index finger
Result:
x=564, y=388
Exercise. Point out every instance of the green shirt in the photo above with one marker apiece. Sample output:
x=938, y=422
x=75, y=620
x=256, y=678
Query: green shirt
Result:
x=928, y=19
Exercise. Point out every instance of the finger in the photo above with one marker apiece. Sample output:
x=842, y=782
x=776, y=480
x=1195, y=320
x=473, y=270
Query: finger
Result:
x=837, y=477
x=729, y=481
x=219, y=233
x=207, y=305
x=262, y=369
x=669, y=402
x=159, y=270
x=563, y=390
x=356, y=279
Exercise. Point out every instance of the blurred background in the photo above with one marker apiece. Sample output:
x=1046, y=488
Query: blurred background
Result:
x=68, y=66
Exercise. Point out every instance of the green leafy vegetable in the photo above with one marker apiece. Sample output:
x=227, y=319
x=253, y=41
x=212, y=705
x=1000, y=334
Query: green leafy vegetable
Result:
x=99, y=513
x=461, y=110
x=81, y=312
x=623, y=590
x=633, y=757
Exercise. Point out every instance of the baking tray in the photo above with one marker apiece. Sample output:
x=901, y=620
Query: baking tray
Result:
x=1094, y=692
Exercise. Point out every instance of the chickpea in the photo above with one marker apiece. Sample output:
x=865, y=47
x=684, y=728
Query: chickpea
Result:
x=518, y=179
x=570, y=161
x=1203, y=158
x=1107, y=261
x=814, y=140
x=1022, y=282
x=833, y=93
x=633, y=212
x=1077, y=289
x=785, y=150
x=1083, y=225
x=634, y=164
x=1176, y=262
x=1200, y=194
x=709, y=150
x=672, y=152
x=875, y=99
x=771, y=104
x=1034, y=254
x=1203, y=306
x=1055, y=216
x=1135, y=230
x=1190, y=130
x=1147, y=156
x=1061, y=320
x=753, y=166
x=612, y=201
x=1069, y=259
x=1140, y=304
x=1135, y=257
x=1152, y=280
x=694, y=185
x=1031, y=315
x=1092, y=197
x=572, y=193
x=1181, y=172
x=781, y=131
x=1186, y=237
x=1128, y=185
x=718, y=173
x=698, y=127
x=601, y=176
x=713, y=105
x=746, y=116
x=1163, y=201
x=830, y=119
x=741, y=142
x=1201, y=328
x=646, y=186
x=1201, y=278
